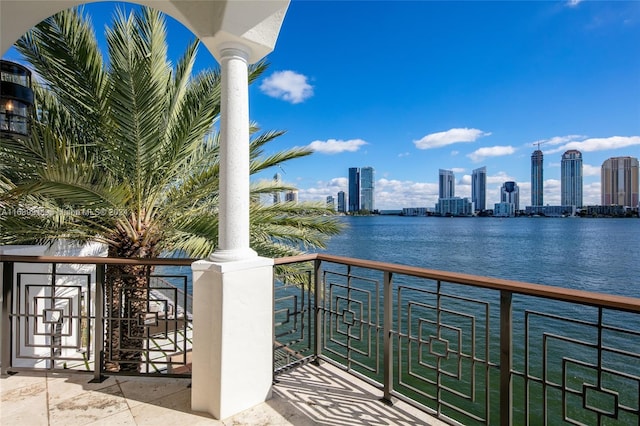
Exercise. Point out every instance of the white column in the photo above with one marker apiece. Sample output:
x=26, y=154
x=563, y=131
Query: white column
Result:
x=233, y=226
x=232, y=361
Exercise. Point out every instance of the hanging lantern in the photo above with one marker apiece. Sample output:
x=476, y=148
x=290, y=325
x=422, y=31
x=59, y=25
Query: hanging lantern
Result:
x=16, y=99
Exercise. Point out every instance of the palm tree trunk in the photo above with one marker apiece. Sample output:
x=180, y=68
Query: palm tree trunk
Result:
x=127, y=301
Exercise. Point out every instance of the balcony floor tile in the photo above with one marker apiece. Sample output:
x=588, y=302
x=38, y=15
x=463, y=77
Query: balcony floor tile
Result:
x=308, y=395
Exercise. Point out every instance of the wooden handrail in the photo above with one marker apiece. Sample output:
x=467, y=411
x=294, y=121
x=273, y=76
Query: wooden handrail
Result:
x=624, y=303
x=83, y=260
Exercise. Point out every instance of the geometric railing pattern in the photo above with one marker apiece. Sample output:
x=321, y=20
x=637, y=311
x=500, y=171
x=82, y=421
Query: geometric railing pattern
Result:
x=294, y=318
x=478, y=350
x=52, y=318
x=446, y=358
x=471, y=349
x=580, y=364
x=352, y=313
x=152, y=322
x=61, y=315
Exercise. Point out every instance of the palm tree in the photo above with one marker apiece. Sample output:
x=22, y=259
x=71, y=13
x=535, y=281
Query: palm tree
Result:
x=125, y=152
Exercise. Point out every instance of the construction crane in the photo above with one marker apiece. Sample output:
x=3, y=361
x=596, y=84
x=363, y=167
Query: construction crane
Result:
x=542, y=142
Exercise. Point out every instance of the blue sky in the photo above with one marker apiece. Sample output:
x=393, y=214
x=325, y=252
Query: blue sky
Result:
x=411, y=87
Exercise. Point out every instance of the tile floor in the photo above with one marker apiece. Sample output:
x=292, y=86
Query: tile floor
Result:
x=309, y=395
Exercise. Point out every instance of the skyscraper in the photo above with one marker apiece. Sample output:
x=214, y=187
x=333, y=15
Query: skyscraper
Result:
x=354, y=189
x=342, y=202
x=331, y=202
x=620, y=181
x=510, y=193
x=537, y=179
x=571, y=179
x=446, y=187
x=291, y=196
x=479, y=188
x=367, y=187
x=276, y=195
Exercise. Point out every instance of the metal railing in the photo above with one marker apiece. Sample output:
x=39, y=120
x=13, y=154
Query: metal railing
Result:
x=468, y=349
x=106, y=315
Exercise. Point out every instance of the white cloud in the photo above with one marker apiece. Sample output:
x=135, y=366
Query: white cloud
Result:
x=403, y=154
x=458, y=170
x=287, y=85
x=335, y=146
x=589, y=170
x=396, y=194
x=601, y=144
x=556, y=140
x=591, y=194
x=574, y=3
x=451, y=136
x=490, y=151
x=551, y=194
x=584, y=144
x=499, y=178
x=323, y=189
x=464, y=180
x=454, y=153
x=341, y=183
x=389, y=193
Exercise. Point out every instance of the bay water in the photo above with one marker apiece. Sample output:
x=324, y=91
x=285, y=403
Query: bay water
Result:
x=593, y=254
x=555, y=352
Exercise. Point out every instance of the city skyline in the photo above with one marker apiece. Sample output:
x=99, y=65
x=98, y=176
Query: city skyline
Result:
x=468, y=84
x=464, y=84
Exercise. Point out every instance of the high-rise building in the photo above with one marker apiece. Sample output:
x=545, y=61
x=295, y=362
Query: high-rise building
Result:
x=454, y=206
x=446, y=188
x=354, y=189
x=537, y=179
x=342, y=202
x=571, y=178
x=510, y=193
x=479, y=188
x=619, y=181
x=276, y=195
x=331, y=202
x=367, y=187
x=291, y=196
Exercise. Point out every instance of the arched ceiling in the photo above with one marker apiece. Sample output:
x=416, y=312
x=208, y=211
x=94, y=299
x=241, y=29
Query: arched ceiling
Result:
x=217, y=23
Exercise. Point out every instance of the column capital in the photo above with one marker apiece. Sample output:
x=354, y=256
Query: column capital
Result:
x=235, y=50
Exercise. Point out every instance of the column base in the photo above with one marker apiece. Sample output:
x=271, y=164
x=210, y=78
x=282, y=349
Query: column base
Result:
x=232, y=358
x=232, y=255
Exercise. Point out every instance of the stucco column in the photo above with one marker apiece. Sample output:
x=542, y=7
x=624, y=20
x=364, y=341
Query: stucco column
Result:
x=232, y=362
x=233, y=225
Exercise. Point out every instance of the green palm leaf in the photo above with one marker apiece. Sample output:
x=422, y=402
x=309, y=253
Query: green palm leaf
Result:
x=134, y=136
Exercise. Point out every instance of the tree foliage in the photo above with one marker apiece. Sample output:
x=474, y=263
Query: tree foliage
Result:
x=124, y=149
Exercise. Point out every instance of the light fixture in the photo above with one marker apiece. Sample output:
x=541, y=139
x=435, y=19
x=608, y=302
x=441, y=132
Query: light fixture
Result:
x=16, y=99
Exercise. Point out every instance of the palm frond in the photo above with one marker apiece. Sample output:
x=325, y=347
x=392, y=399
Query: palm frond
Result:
x=64, y=53
x=136, y=139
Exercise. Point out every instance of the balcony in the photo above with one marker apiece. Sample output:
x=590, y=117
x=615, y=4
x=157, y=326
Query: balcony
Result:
x=16, y=99
x=437, y=345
